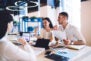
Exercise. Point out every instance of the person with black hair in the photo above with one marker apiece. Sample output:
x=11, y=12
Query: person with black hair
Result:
x=45, y=21
x=9, y=51
x=46, y=31
x=73, y=36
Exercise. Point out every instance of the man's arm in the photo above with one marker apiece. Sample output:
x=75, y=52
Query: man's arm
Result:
x=80, y=39
x=69, y=42
x=79, y=42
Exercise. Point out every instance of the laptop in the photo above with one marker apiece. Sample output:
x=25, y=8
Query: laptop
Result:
x=44, y=43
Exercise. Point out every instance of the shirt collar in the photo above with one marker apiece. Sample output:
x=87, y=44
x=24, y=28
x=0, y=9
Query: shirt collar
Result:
x=67, y=26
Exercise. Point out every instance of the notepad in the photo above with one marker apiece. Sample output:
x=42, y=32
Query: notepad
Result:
x=76, y=47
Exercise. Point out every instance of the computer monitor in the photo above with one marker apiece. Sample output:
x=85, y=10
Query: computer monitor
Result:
x=27, y=24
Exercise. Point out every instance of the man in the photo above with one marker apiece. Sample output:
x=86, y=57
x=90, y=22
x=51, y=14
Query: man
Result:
x=73, y=36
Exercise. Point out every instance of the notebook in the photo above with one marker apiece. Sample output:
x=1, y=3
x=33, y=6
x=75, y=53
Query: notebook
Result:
x=75, y=47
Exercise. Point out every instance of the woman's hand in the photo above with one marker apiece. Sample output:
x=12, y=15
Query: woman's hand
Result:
x=22, y=41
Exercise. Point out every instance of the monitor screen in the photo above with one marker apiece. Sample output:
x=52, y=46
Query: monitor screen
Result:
x=29, y=25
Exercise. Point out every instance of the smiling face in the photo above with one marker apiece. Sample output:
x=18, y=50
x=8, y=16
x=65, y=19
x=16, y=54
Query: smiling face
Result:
x=45, y=23
x=62, y=19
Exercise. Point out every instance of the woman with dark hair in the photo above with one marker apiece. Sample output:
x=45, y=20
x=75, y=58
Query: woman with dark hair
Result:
x=50, y=23
x=9, y=51
x=46, y=31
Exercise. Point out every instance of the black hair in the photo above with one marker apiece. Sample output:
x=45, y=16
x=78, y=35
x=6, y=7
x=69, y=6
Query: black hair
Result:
x=50, y=25
x=5, y=18
x=64, y=14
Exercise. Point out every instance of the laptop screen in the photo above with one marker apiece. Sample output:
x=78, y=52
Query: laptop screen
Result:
x=26, y=36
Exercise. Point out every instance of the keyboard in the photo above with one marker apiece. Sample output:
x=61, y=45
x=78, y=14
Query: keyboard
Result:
x=56, y=57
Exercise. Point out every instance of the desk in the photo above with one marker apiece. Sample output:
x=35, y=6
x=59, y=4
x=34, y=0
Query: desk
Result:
x=41, y=57
x=83, y=55
x=40, y=53
x=80, y=55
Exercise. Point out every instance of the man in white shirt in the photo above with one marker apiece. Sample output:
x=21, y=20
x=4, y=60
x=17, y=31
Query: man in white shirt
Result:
x=73, y=36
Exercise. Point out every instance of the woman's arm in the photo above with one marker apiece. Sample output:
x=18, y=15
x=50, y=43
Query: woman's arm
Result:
x=51, y=37
x=13, y=52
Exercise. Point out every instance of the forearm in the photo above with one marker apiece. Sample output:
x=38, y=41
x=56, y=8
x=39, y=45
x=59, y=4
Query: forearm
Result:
x=15, y=53
x=79, y=42
x=51, y=38
x=38, y=37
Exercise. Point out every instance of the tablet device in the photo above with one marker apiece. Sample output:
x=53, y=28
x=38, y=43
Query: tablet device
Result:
x=56, y=57
x=26, y=36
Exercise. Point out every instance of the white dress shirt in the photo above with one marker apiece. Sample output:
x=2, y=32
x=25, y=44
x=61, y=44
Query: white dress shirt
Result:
x=11, y=52
x=72, y=33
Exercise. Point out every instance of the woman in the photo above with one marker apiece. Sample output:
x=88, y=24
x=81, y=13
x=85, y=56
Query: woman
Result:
x=9, y=51
x=46, y=32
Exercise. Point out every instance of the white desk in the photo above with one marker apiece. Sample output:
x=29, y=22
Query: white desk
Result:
x=82, y=55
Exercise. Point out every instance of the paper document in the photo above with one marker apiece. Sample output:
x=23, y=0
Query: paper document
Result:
x=76, y=47
x=66, y=53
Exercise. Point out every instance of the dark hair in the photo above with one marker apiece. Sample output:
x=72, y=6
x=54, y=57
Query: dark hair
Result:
x=5, y=18
x=64, y=14
x=50, y=25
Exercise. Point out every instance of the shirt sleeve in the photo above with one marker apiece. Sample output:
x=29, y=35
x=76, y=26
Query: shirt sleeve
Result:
x=13, y=52
x=78, y=35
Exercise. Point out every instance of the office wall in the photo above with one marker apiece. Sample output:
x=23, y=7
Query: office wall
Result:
x=86, y=20
x=46, y=11
x=41, y=13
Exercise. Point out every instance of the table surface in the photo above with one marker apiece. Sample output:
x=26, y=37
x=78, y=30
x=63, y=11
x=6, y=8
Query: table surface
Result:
x=83, y=54
x=80, y=53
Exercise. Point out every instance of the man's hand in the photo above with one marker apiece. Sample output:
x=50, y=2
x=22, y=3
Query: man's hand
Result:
x=66, y=42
